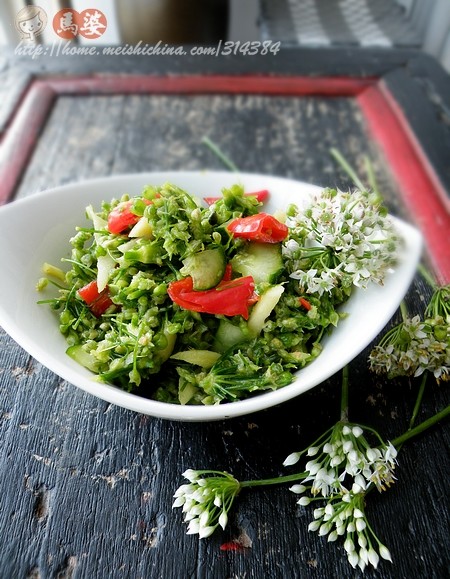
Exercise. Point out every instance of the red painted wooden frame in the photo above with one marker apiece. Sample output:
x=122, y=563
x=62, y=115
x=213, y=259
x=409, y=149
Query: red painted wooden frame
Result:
x=423, y=194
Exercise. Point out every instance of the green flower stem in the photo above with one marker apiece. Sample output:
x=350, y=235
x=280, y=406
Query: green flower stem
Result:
x=421, y=427
x=418, y=400
x=344, y=395
x=427, y=277
x=371, y=176
x=215, y=149
x=403, y=310
x=347, y=168
x=274, y=481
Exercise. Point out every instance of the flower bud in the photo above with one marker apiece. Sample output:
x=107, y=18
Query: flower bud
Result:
x=293, y=458
x=298, y=489
x=349, y=546
x=347, y=446
x=193, y=527
x=373, y=557
x=206, y=532
x=385, y=553
x=223, y=519
x=364, y=555
x=314, y=525
x=304, y=501
x=179, y=502
x=360, y=525
x=190, y=474
x=357, y=431
x=313, y=450
x=353, y=559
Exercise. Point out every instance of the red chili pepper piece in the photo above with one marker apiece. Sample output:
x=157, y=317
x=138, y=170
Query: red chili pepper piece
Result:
x=305, y=303
x=232, y=546
x=228, y=298
x=228, y=273
x=98, y=302
x=121, y=217
x=261, y=227
x=261, y=196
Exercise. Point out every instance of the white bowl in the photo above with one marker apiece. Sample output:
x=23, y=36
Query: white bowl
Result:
x=37, y=230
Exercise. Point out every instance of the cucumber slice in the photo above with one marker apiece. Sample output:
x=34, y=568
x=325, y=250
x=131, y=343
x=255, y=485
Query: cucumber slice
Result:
x=186, y=394
x=105, y=265
x=165, y=353
x=141, y=229
x=79, y=354
x=262, y=309
x=203, y=358
x=227, y=335
x=206, y=268
x=263, y=261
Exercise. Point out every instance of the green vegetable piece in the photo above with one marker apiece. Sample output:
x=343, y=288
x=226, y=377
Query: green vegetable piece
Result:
x=263, y=308
x=41, y=284
x=141, y=229
x=263, y=261
x=148, y=253
x=205, y=267
x=54, y=271
x=79, y=354
x=228, y=335
x=165, y=353
x=186, y=393
x=203, y=358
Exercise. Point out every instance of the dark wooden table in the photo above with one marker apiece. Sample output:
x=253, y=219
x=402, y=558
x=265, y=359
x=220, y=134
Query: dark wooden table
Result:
x=86, y=487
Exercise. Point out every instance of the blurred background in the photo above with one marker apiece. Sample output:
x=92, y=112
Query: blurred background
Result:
x=421, y=24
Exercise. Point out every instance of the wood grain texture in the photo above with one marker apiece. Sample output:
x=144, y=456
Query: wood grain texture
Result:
x=87, y=487
x=96, y=136
x=13, y=83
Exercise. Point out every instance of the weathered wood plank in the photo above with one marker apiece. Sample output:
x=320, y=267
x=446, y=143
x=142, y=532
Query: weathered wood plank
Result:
x=96, y=136
x=13, y=84
x=82, y=473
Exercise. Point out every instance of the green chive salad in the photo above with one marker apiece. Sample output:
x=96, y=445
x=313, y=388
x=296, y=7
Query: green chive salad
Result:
x=192, y=301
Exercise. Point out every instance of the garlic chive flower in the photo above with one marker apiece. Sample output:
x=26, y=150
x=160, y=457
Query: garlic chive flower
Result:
x=343, y=469
x=344, y=515
x=344, y=460
x=342, y=239
x=206, y=500
x=415, y=345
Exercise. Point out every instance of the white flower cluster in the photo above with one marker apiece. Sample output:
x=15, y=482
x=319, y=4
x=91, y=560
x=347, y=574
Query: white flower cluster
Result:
x=344, y=515
x=344, y=469
x=412, y=347
x=206, y=500
x=341, y=239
